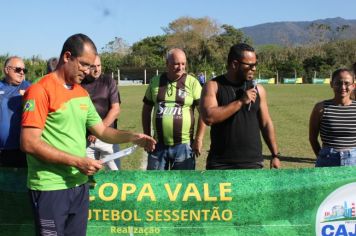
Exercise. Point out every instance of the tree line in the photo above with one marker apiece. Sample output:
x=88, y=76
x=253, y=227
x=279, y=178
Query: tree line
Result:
x=207, y=43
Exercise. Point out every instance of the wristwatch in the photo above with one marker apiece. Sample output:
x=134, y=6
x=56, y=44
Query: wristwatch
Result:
x=276, y=155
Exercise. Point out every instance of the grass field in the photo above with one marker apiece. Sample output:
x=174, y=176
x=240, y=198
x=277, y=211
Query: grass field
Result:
x=290, y=107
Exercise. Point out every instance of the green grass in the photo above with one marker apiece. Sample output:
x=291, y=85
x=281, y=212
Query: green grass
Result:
x=290, y=107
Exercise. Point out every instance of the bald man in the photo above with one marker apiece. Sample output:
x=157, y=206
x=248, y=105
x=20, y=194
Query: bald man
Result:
x=12, y=87
x=174, y=95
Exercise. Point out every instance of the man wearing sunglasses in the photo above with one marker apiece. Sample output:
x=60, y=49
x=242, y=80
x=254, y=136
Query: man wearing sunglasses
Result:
x=12, y=87
x=236, y=108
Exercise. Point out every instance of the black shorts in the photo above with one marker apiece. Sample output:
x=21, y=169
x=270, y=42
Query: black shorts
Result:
x=61, y=212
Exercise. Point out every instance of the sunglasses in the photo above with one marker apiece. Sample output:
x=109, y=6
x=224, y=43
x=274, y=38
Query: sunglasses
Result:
x=18, y=69
x=251, y=65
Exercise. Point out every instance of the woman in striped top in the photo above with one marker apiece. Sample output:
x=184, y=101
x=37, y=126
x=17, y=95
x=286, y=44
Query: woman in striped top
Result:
x=335, y=121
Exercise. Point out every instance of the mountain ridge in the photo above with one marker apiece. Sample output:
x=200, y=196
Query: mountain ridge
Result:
x=294, y=33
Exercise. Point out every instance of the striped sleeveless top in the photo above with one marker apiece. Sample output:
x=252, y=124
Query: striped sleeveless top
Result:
x=338, y=125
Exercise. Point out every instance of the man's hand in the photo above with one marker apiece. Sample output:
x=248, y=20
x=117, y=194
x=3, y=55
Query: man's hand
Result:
x=89, y=166
x=22, y=92
x=197, y=147
x=249, y=96
x=91, y=138
x=275, y=163
x=145, y=141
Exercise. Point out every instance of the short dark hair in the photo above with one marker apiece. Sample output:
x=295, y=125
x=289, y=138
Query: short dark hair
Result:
x=354, y=67
x=336, y=73
x=237, y=52
x=75, y=45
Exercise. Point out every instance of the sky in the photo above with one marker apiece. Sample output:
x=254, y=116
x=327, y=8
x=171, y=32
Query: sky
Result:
x=40, y=27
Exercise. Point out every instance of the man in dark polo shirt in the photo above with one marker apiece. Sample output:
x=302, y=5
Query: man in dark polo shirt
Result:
x=106, y=98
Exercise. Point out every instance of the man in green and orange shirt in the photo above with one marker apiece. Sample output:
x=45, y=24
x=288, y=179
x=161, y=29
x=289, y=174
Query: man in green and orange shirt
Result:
x=56, y=114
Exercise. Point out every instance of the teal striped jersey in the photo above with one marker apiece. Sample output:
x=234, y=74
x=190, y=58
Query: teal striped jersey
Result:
x=174, y=103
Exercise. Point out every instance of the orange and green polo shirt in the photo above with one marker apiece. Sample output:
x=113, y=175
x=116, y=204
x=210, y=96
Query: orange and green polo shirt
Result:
x=64, y=115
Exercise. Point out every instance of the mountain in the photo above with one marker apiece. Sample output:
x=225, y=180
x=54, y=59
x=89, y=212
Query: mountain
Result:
x=301, y=32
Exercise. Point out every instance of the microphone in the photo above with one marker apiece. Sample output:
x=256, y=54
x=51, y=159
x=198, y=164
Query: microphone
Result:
x=254, y=84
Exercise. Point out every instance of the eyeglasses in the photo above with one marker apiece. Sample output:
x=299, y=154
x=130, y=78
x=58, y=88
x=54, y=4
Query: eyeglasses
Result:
x=18, y=69
x=342, y=83
x=250, y=65
x=94, y=67
x=84, y=65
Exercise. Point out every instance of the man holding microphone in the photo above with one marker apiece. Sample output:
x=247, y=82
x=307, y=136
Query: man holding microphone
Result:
x=236, y=109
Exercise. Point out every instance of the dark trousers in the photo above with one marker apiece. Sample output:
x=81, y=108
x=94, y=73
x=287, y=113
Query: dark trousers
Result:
x=61, y=212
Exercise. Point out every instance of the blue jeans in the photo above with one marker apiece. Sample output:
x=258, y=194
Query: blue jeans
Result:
x=332, y=157
x=178, y=157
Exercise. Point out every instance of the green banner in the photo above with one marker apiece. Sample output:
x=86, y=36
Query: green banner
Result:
x=318, y=80
x=321, y=80
x=266, y=81
x=289, y=80
x=262, y=81
x=311, y=201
